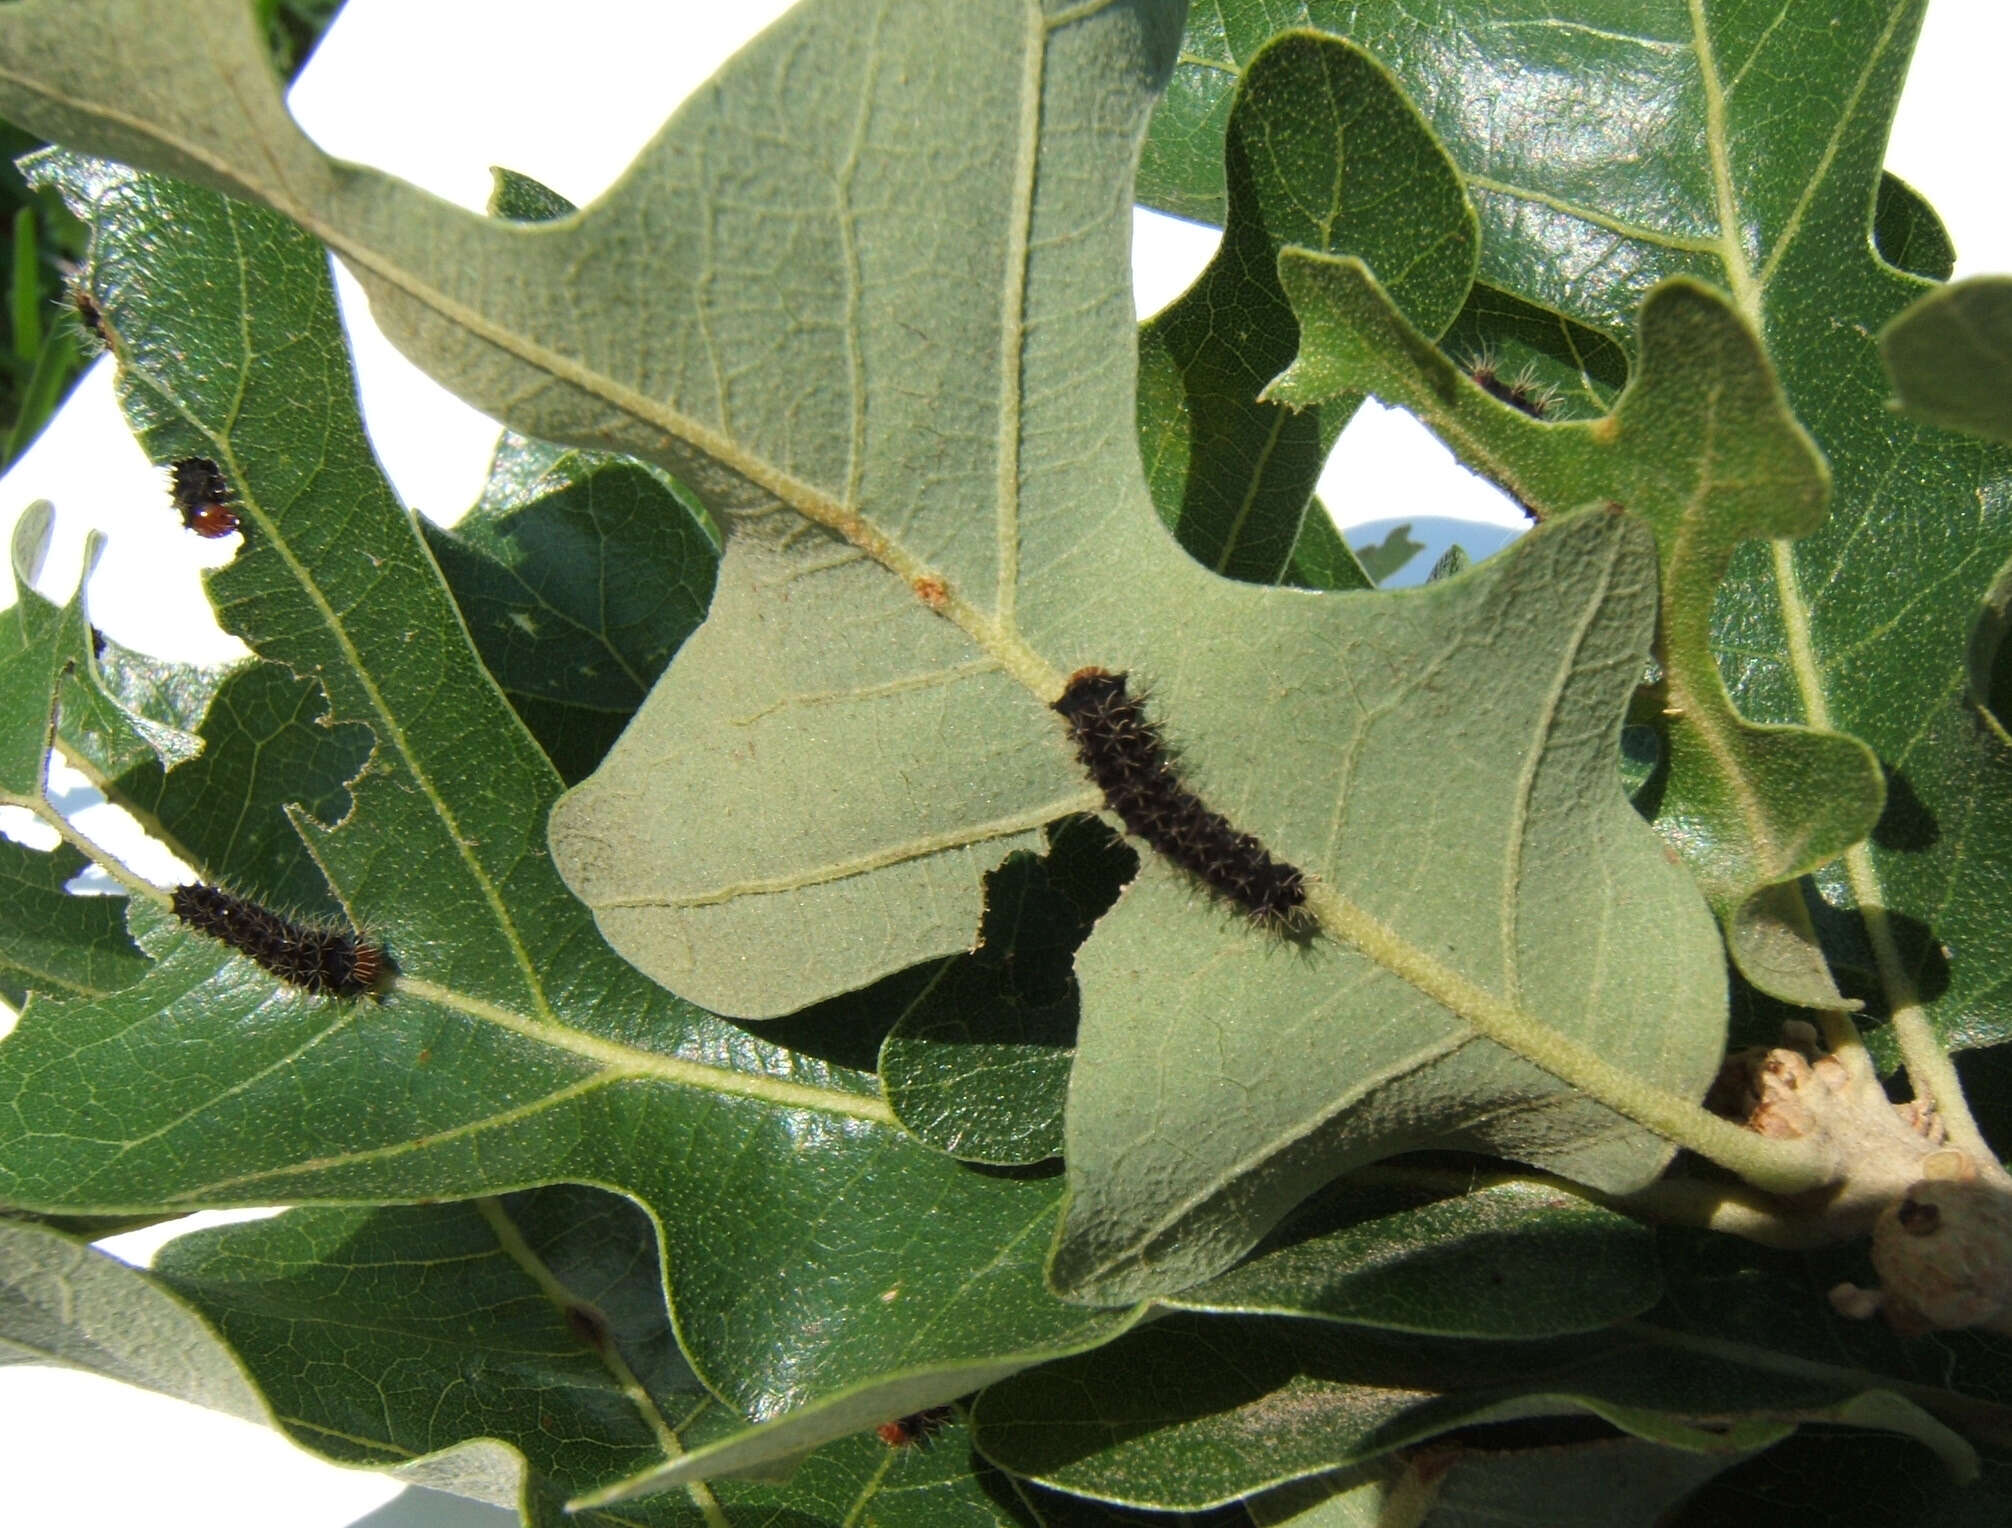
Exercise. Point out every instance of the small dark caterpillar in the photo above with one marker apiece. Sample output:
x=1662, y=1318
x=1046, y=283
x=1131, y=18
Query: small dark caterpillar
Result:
x=88, y=314
x=917, y=1427
x=337, y=962
x=1522, y=392
x=1128, y=759
x=203, y=496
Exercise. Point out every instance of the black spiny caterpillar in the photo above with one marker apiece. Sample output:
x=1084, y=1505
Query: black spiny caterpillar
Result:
x=1128, y=759
x=338, y=962
x=915, y=1429
x=203, y=495
x=90, y=319
x=1522, y=392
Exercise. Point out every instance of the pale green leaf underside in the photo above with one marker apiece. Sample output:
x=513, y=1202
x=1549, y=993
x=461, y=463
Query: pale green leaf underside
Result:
x=62, y=1302
x=1605, y=1483
x=874, y=274
x=872, y=303
x=1950, y=357
x=1702, y=446
x=1272, y=1068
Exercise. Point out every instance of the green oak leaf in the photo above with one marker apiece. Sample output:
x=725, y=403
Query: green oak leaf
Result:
x=40, y=642
x=978, y=1062
x=50, y=939
x=521, y=199
x=399, y=1337
x=268, y=751
x=1606, y=1483
x=169, y=694
x=511, y=1048
x=1222, y=1074
x=622, y=562
x=902, y=721
x=54, y=941
x=578, y=574
x=1577, y=371
x=102, y=733
x=1950, y=357
x=1570, y=222
x=1263, y=1402
x=1907, y=232
x=250, y=742
x=63, y=1302
x=978, y=1072
x=1701, y=445
x=415, y=1340
x=761, y=700
x=1723, y=183
x=1183, y=171
x=1408, y=1248
x=1324, y=151
x=1032, y=585
x=1990, y=657
x=1389, y=555
x=1320, y=558
x=820, y=416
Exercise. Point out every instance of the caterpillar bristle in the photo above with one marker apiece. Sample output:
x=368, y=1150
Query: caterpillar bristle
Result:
x=1522, y=392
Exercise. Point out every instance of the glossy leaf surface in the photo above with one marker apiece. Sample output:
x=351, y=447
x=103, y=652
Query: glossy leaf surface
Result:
x=396, y=1336
x=578, y=575
x=1324, y=151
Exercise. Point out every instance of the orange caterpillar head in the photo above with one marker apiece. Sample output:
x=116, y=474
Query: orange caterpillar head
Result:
x=203, y=495
x=915, y=1428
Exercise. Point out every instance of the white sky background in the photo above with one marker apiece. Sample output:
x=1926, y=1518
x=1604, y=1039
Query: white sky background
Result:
x=438, y=91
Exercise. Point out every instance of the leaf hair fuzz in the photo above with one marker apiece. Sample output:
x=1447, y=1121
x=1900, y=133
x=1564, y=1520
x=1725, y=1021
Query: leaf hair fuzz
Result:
x=1522, y=392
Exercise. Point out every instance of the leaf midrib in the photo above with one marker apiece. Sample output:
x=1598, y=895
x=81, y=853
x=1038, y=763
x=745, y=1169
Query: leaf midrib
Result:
x=1934, y=1074
x=619, y=1062
x=548, y=1283
x=389, y=727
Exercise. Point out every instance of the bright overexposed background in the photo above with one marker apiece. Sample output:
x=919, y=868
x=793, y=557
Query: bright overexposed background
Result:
x=438, y=91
